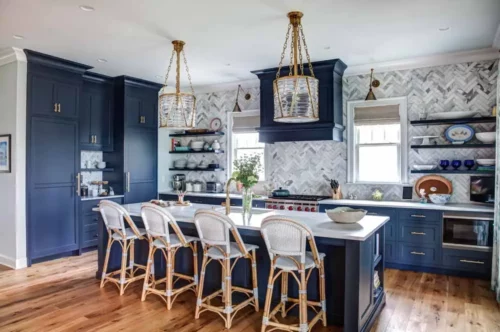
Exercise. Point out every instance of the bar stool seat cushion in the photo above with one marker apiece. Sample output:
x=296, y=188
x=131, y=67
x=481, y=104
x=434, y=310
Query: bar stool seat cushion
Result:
x=288, y=264
x=129, y=234
x=234, y=251
x=174, y=241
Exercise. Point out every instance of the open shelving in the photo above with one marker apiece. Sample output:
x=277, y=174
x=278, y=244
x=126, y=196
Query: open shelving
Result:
x=452, y=171
x=207, y=133
x=197, y=169
x=487, y=119
x=192, y=151
x=453, y=146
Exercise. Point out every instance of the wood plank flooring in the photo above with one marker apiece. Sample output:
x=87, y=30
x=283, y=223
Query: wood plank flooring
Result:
x=63, y=295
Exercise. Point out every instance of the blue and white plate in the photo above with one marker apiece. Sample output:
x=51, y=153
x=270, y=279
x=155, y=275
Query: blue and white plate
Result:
x=459, y=134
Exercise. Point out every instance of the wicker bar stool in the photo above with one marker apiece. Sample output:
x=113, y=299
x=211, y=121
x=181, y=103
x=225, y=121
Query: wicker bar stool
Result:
x=286, y=242
x=114, y=216
x=157, y=221
x=214, y=231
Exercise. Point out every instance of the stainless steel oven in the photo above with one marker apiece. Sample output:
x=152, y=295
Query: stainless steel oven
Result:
x=470, y=231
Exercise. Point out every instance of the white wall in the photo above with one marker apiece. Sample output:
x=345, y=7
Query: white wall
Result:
x=13, y=79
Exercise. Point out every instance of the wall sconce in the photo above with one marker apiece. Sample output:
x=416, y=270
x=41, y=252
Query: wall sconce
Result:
x=237, y=108
x=375, y=84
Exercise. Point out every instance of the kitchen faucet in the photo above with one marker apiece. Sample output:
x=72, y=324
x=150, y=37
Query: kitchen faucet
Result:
x=228, y=199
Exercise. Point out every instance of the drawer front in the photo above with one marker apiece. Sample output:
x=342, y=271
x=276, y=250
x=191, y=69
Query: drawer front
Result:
x=420, y=215
x=87, y=206
x=90, y=219
x=465, y=260
x=418, y=255
x=390, y=252
x=413, y=232
x=89, y=236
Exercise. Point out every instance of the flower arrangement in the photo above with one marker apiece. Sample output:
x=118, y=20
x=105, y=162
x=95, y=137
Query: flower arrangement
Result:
x=247, y=169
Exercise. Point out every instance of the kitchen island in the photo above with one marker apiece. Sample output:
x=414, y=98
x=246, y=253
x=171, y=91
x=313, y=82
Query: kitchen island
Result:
x=354, y=254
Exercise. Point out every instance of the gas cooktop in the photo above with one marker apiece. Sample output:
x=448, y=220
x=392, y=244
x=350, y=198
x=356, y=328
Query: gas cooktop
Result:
x=311, y=198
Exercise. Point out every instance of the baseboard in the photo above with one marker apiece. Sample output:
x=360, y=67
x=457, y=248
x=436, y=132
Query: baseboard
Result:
x=20, y=263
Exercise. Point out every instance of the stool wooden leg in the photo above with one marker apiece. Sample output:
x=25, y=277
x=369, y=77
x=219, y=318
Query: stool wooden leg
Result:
x=169, y=278
x=269, y=295
x=200, y=286
x=303, y=298
x=132, y=257
x=106, y=261
x=148, y=271
x=284, y=293
x=195, y=265
x=228, y=300
x=123, y=271
x=322, y=291
x=255, y=281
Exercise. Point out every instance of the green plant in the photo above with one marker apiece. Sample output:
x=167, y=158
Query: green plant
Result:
x=247, y=169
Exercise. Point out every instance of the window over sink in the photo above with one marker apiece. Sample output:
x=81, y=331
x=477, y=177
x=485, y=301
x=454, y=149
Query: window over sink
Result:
x=377, y=141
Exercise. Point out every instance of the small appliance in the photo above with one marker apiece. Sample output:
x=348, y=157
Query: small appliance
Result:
x=482, y=189
x=468, y=231
x=179, y=182
x=214, y=187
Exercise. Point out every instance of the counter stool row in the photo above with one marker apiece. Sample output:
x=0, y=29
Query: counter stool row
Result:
x=286, y=241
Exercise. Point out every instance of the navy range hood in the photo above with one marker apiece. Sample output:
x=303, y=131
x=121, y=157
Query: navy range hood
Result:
x=330, y=125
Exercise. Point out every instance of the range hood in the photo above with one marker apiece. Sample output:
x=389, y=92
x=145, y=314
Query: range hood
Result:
x=330, y=125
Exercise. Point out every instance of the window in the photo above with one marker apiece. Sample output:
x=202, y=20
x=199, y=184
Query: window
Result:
x=377, y=142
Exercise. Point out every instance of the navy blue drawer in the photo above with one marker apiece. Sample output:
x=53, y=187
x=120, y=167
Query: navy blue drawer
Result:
x=412, y=232
x=465, y=260
x=414, y=254
x=90, y=219
x=419, y=215
x=390, y=252
x=89, y=236
x=87, y=206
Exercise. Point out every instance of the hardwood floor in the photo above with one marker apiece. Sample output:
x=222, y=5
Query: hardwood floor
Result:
x=63, y=295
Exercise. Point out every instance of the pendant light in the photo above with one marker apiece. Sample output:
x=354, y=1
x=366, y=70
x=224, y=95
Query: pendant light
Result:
x=177, y=109
x=296, y=95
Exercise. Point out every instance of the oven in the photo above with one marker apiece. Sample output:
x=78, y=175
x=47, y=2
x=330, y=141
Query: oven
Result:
x=468, y=231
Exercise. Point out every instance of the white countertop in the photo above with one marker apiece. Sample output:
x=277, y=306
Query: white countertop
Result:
x=319, y=223
x=412, y=205
x=214, y=195
x=91, y=198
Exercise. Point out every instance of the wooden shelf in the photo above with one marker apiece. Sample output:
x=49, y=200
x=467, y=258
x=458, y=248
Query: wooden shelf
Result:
x=452, y=171
x=487, y=119
x=197, y=169
x=208, y=133
x=97, y=170
x=453, y=146
x=191, y=151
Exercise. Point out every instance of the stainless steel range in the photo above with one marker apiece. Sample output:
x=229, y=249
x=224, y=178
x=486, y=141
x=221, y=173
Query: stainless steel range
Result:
x=303, y=203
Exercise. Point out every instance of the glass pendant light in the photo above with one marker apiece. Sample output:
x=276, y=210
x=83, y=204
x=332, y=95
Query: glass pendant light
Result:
x=177, y=109
x=296, y=95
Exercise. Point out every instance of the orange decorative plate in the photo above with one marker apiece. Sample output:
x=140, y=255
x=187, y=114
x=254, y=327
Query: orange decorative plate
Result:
x=433, y=184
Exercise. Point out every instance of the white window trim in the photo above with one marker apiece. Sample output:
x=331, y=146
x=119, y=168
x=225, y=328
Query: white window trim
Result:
x=230, y=143
x=402, y=102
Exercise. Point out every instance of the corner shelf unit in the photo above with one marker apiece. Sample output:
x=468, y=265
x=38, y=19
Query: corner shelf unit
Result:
x=191, y=151
x=441, y=171
x=487, y=119
x=197, y=169
x=207, y=133
x=453, y=146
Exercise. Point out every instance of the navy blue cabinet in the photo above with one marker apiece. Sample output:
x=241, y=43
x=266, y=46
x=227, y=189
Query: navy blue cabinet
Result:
x=53, y=155
x=96, y=113
x=135, y=157
x=89, y=222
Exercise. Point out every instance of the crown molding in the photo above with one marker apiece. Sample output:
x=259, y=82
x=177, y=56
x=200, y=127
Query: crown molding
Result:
x=496, y=40
x=12, y=54
x=255, y=83
x=426, y=61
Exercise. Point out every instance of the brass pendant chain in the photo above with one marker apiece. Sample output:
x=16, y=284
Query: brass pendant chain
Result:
x=300, y=55
x=169, y=66
x=307, y=51
x=187, y=70
x=284, y=50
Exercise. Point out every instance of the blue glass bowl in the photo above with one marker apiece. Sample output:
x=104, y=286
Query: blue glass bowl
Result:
x=444, y=164
x=456, y=164
x=469, y=164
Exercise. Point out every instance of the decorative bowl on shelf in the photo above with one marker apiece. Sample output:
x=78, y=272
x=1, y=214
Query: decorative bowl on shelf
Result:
x=346, y=215
x=469, y=164
x=451, y=115
x=486, y=137
x=485, y=162
x=424, y=167
x=456, y=164
x=439, y=199
x=197, y=145
x=459, y=134
x=444, y=164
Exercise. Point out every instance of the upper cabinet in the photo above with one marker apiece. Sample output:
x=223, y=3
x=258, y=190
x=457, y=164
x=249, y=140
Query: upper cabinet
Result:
x=141, y=104
x=330, y=125
x=96, y=113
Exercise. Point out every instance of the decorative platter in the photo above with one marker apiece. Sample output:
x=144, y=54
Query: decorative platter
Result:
x=459, y=134
x=433, y=184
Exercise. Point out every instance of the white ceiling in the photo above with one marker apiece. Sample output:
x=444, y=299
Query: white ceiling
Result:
x=135, y=36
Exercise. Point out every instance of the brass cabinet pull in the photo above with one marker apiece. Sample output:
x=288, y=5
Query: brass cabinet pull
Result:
x=95, y=139
x=142, y=119
x=418, y=253
x=55, y=107
x=418, y=216
x=417, y=233
x=78, y=184
x=128, y=182
x=471, y=262
x=58, y=108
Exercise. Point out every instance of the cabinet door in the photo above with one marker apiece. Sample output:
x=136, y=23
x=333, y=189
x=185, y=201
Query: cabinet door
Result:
x=53, y=205
x=67, y=95
x=85, y=121
x=132, y=111
x=149, y=111
x=96, y=118
x=42, y=95
x=104, y=129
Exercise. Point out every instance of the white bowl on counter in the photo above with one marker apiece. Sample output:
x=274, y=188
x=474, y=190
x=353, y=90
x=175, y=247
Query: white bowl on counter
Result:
x=486, y=137
x=439, y=199
x=346, y=215
x=485, y=162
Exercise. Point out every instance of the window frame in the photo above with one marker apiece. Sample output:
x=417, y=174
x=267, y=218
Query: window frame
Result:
x=353, y=147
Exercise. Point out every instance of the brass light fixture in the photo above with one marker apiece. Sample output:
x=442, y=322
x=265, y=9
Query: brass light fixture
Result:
x=177, y=109
x=296, y=95
x=237, y=108
x=373, y=83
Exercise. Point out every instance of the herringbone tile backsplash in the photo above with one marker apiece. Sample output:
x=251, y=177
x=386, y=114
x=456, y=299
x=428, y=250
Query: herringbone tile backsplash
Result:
x=304, y=167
